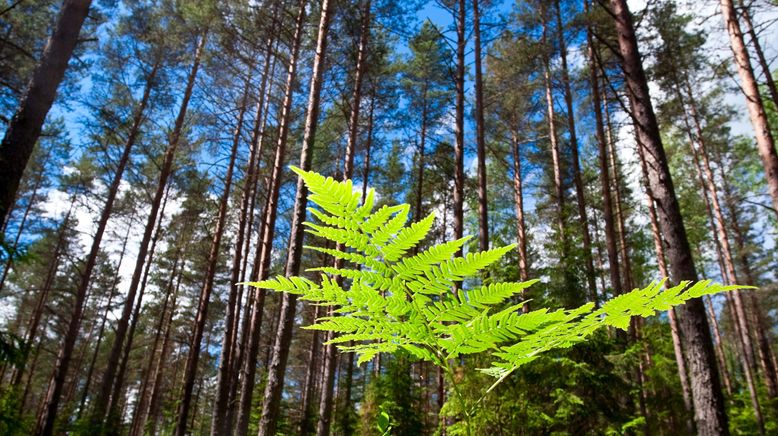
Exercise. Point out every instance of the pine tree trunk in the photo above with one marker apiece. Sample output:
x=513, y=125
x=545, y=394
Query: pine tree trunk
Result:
x=480, y=135
x=555, y=152
x=459, y=125
x=118, y=387
x=25, y=126
x=213, y=260
x=521, y=227
x=109, y=377
x=709, y=411
x=764, y=65
x=725, y=252
x=250, y=362
x=227, y=369
x=22, y=225
x=45, y=424
x=577, y=178
x=283, y=335
x=675, y=330
x=37, y=314
x=602, y=146
x=139, y=415
x=764, y=138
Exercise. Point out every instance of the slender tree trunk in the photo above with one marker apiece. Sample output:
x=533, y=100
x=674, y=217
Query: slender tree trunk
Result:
x=109, y=377
x=310, y=376
x=483, y=204
x=153, y=409
x=40, y=305
x=607, y=204
x=103, y=323
x=25, y=126
x=521, y=227
x=764, y=65
x=420, y=170
x=459, y=125
x=247, y=383
x=139, y=415
x=722, y=235
x=45, y=424
x=765, y=351
x=331, y=355
x=213, y=260
x=764, y=138
x=283, y=335
x=118, y=390
x=577, y=178
x=709, y=411
x=555, y=152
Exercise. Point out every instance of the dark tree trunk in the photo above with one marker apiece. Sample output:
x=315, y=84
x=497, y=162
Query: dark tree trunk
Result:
x=25, y=126
x=709, y=410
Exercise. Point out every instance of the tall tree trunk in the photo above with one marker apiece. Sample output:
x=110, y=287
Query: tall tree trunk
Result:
x=602, y=146
x=283, y=336
x=459, y=125
x=25, y=126
x=521, y=226
x=227, y=370
x=722, y=236
x=764, y=138
x=139, y=415
x=421, y=163
x=118, y=387
x=709, y=411
x=250, y=362
x=577, y=178
x=213, y=260
x=103, y=323
x=555, y=152
x=37, y=314
x=331, y=355
x=109, y=377
x=760, y=56
x=22, y=224
x=675, y=331
x=152, y=410
x=765, y=351
x=480, y=135
x=45, y=424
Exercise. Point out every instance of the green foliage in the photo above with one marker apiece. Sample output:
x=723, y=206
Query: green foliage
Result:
x=398, y=301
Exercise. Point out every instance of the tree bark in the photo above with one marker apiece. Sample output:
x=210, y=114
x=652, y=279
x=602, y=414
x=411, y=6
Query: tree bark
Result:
x=760, y=56
x=675, y=331
x=25, y=126
x=709, y=411
x=213, y=260
x=577, y=178
x=459, y=126
x=521, y=226
x=602, y=146
x=483, y=204
x=250, y=362
x=45, y=424
x=283, y=336
x=756, y=111
x=109, y=377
